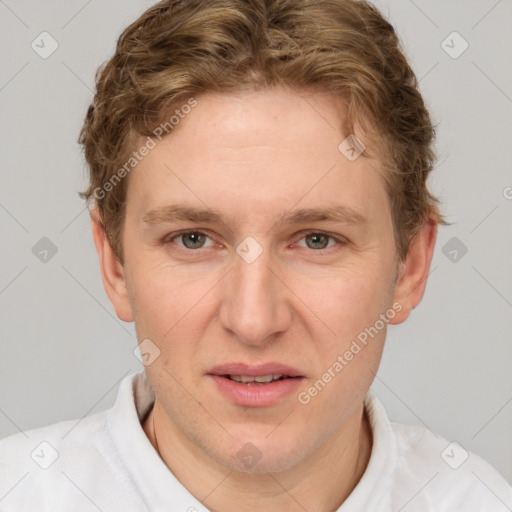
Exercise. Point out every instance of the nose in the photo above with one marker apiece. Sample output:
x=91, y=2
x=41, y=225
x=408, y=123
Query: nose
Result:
x=255, y=307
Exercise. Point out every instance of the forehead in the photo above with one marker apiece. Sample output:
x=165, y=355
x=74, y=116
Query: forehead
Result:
x=276, y=119
x=257, y=152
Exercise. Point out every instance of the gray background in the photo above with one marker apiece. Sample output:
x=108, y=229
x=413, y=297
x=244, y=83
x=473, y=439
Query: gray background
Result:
x=63, y=350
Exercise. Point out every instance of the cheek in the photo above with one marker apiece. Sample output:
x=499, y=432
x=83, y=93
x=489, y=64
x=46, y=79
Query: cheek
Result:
x=351, y=304
x=174, y=310
x=164, y=294
x=346, y=362
x=345, y=301
x=157, y=307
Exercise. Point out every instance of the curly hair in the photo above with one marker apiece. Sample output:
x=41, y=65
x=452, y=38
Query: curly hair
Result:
x=177, y=50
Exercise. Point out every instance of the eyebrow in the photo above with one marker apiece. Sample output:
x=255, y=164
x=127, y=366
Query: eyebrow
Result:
x=172, y=213
x=338, y=214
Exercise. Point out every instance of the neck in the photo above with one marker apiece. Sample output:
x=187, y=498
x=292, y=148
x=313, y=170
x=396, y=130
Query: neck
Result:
x=320, y=482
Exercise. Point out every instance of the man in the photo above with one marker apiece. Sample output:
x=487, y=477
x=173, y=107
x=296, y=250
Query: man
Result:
x=260, y=210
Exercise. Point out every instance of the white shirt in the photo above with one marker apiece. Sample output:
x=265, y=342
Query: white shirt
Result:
x=105, y=462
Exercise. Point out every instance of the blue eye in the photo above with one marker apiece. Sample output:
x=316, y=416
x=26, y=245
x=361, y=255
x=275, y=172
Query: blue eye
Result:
x=191, y=239
x=317, y=240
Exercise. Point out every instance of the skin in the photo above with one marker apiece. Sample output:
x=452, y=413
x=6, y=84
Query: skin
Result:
x=255, y=156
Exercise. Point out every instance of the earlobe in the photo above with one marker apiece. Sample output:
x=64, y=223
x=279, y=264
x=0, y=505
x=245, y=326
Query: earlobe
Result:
x=112, y=272
x=414, y=270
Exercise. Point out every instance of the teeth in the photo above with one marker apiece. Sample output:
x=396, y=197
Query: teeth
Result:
x=267, y=378
x=262, y=379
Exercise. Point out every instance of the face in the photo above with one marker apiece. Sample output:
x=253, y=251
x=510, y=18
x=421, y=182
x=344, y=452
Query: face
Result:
x=254, y=248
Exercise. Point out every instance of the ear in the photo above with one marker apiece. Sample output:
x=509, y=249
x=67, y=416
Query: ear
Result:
x=112, y=272
x=414, y=270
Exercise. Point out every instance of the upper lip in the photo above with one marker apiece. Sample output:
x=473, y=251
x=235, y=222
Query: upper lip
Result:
x=249, y=370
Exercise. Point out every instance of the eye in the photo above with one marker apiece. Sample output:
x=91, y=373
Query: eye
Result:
x=318, y=240
x=190, y=240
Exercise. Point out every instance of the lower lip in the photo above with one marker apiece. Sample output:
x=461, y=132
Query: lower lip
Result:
x=256, y=395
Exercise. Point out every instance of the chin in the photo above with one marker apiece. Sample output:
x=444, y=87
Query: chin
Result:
x=253, y=453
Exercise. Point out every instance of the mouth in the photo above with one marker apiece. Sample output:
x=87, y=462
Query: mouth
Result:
x=256, y=374
x=255, y=386
x=258, y=380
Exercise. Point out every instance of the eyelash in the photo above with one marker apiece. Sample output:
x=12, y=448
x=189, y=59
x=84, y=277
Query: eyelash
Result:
x=340, y=242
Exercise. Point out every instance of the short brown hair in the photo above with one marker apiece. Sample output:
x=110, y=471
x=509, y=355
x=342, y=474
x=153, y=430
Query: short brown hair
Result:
x=178, y=50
